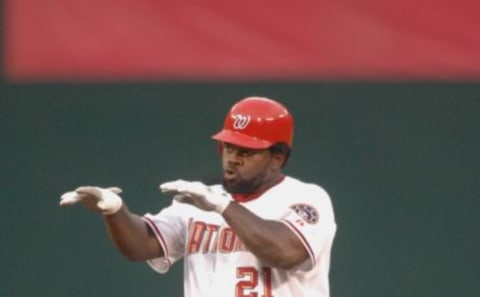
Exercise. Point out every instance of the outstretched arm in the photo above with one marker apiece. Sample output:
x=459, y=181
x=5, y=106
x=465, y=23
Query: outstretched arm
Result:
x=132, y=236
x=271, y=241
x=129, y=233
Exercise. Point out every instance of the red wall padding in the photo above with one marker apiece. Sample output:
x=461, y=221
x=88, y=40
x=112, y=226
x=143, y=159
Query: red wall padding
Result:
x=225, y=40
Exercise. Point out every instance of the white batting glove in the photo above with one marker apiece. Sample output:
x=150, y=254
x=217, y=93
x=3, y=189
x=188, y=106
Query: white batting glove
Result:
x=197, y=194
x=103, y=200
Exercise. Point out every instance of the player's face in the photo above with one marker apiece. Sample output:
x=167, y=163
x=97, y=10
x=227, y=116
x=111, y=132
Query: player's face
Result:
x=247, y=171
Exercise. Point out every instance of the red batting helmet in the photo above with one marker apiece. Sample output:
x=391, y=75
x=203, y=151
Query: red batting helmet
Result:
x=257, y=123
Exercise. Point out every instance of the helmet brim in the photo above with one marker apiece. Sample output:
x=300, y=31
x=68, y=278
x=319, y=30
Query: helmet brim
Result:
x=242, y=140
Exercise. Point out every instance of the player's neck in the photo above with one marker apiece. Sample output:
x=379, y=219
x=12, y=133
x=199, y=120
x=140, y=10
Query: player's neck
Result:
x=251, y=196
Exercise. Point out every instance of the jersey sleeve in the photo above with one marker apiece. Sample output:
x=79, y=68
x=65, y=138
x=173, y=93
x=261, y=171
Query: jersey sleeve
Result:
x=311, y=218
x=169, y=228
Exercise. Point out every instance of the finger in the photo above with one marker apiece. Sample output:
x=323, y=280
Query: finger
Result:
x=115, y=190
x=89, y=190
x=172, y=186
x=97, y=190
x=70, y=198
x=184, y=198
x=182, y=186
x=194, y=188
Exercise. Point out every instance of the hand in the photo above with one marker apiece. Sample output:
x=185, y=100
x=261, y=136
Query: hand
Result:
x=197, y=194
x=105, y=201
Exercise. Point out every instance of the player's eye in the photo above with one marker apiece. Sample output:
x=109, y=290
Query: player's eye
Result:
x=228, y=148
x=247, y=153
x=242, y=152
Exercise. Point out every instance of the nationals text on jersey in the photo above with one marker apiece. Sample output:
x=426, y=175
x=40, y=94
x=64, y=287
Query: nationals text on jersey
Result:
x=210, y=238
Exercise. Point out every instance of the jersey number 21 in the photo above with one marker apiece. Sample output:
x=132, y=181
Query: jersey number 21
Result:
x=250, y=276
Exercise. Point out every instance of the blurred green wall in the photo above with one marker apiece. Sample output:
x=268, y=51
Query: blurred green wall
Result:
x=400, y=160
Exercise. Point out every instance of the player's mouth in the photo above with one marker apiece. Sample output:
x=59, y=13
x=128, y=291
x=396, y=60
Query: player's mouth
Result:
x=230, y=175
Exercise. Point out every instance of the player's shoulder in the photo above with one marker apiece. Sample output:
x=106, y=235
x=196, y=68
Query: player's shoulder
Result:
x=307, y=196
x=298, y=191
x=291, y=183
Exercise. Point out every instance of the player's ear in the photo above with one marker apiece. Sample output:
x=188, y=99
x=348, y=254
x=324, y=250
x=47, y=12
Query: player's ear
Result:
x=280, y=154
x=279, y=160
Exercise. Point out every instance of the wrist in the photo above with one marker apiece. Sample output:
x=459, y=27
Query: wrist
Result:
x=224, y=200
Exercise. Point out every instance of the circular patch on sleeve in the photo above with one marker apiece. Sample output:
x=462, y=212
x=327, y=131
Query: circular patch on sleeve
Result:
x=307, y=212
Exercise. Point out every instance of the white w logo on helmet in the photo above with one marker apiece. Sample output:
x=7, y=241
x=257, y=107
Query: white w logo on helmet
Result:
x=240, y=121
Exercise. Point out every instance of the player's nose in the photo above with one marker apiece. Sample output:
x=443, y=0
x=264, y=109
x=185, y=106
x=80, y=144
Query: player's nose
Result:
x=234, y=160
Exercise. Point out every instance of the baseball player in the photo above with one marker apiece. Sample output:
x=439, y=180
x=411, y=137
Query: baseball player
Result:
x=259, y=234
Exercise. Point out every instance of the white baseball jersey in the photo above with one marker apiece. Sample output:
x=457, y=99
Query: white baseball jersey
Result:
x=217, y=263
